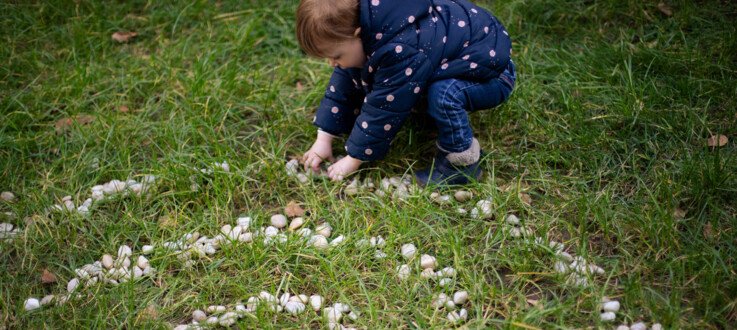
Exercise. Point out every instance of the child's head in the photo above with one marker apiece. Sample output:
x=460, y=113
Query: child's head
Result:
x=330, y=29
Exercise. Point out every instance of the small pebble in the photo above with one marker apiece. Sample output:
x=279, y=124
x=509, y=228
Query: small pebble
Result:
x=379, y=254
x=324, y=229
x=403, y=272
x=336, y=241
x=608, y=316
x=244, y=222
x=228, y=319
x=638, y=326
x=656, y=326
x=31, y=304
x=124, y=251
x=445, y=281
x=296, y=223
x=72, y=285
x=147, y=249
x=623, y=327
x=316, y=302
x=463, y=195
x=408, y=251
x=427, y=273
x=610, y=306
x=294, y=307
x=199, y=315
x=427, y=261
x=440, y=300
x=460, y=297
x=319, y=242
x=142, y=262
x=512, y=220
x=47, y=300
x=279, y=221
x=7, y=196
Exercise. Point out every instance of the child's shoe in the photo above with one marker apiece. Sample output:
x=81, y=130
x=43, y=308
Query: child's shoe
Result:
x=452, y=168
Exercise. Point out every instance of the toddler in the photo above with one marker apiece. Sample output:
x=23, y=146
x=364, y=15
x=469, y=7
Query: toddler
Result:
x=387, y=55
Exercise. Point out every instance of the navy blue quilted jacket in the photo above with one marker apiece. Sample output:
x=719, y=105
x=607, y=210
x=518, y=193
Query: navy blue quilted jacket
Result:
x=409, y=44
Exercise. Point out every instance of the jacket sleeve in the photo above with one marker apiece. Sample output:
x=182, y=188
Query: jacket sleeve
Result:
x=339, y=107
x=400, y=76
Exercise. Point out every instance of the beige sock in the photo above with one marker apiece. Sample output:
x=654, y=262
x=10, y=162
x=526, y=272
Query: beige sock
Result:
x=466, y=157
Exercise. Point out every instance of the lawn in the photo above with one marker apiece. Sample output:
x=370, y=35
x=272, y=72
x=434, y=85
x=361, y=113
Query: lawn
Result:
x=604, y=147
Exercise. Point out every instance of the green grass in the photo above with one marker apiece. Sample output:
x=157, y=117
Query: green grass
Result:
x=606, y=132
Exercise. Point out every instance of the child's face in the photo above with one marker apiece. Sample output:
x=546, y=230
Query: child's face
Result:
x=346, y=54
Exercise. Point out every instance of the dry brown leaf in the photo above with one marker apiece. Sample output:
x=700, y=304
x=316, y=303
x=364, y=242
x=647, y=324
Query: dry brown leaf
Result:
x=525, y=197
x=717, y=140
x=708, y=231
x=64, y=124
x=123, y=36
x=665, y=9
x=48, y=277
x=300, y=87
x=679, y=213
x=123, y=108
x=294, y=210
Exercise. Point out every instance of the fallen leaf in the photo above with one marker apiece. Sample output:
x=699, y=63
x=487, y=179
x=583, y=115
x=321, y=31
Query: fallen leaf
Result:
x=300, y=87
x=679, y=213
x=64, y=124
x=123, y=108
x=48, y=277
x=665, y=9
x=717, y=140
x=294, y=210
x=123, y=36
x=525, y=198
x=708, y=231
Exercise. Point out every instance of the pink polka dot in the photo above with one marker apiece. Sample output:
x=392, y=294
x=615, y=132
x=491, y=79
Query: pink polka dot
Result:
x=364, y=125
x=368, y=151
x=365, y=99
x=444, y=60
x=473, y=65
x=444, y=66
x=434, y=19
x=408, y=71
x=461, y=23
x=356, y=111
x=466, y=57
x=314, y=119
x=375, y=2
x=438, y=8
x=429, y=10
x=387, y=127
x=465, y=44
x=473, y=10
x=334, y=110
x=411, y=19
x=486, y=29
x=378, y=36
x=492, y=53
x=390, y=97
x=445, y=39
x=371, y=69
x=505, y=33
x=332, y=88
x=398, y=49
x=417, y=89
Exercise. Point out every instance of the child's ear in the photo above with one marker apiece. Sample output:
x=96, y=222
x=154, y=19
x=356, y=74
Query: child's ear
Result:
x=357, y=32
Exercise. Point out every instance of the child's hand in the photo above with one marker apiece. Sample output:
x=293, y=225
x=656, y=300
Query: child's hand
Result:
x=343, y=168
x=321, y=150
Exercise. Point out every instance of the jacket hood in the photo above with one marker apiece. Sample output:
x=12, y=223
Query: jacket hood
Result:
x=377, y=30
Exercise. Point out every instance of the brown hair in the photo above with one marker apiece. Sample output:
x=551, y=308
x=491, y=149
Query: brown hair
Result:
x=322, y=21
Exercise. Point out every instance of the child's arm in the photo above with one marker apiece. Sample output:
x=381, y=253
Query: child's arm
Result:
x=321, y=150
x=400, y=75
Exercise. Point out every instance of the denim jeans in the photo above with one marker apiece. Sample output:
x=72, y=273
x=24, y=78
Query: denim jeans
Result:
x=449, y=102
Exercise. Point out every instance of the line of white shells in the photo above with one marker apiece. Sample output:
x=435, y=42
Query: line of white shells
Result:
x=7, y=232
x=101, y=192
x=428, y=263
x=297, y=304
x=377, y=242
x=109, y=270
x=639, y=326
x=194, y=244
